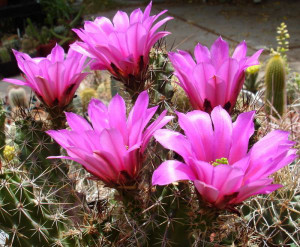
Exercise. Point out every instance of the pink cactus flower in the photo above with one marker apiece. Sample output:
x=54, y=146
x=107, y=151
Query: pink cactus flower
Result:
x=122, y=47
x=216, y=156
x=110, y=148
x=54, y=79
x=215, y=78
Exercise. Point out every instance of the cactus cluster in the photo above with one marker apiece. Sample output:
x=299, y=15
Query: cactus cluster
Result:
x=127, y=194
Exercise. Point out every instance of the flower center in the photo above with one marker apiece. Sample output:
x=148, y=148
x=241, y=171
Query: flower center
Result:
x=222, y=161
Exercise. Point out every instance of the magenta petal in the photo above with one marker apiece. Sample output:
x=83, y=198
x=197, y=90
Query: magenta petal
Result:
x=112, y=142
x=117, y=115
x=76, y=122
x=15, y=81
x=240, y=51
x=208, y=192
x=253, y=60
x=61, y=137
x=160, y=122
x=243, y=129
x=174, y=141
x=227, y=179
x=57, y=54
x=121, y=21
x=193, y=124
x=171, y=171
x=219, y=52
x=139, y=109
x=202, y=54
x=229, y=71
x=51, y=78
x=136, y=119
x=98, y=114
x=222, y=132
x=263, y=186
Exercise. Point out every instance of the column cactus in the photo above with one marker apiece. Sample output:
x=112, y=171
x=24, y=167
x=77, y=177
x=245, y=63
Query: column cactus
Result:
x=275, y=93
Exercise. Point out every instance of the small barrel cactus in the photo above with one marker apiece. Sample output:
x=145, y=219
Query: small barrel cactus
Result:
x=86, y=95
x=9, y=153
x=17, y=97
x=251, y=84
x=276, y=85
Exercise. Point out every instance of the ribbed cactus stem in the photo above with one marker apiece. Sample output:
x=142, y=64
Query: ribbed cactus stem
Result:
x=275, y=85
x=2, y=130
x=28, y=219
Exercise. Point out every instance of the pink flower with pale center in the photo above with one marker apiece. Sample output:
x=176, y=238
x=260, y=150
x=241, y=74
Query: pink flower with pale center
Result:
x=54, y=79
x=216, y=156
x=122, y=46
x=110, y=148
x=214, y=78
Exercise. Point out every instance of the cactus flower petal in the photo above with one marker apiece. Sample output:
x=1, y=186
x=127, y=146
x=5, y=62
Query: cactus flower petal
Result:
x=111, y=148
x=214, y=78
x=54, y=79
x=216, y=156
x=171, y=171
x=122, y=46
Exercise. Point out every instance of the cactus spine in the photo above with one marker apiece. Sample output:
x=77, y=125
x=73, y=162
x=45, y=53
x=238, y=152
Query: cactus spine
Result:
x=2, y=128
x=27, y=218
x=276, y=85
x=276, y=218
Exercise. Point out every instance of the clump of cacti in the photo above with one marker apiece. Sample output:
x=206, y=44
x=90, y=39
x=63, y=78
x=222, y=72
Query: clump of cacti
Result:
x=275, y=94
x=122, y=175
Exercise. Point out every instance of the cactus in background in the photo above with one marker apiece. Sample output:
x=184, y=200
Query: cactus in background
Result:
x=86, y=95
x=276, y=218
x=275, y=85
x=251, y=83
x=17, y=97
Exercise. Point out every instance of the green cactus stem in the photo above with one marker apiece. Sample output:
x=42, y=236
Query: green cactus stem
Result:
x=29, y=219
x=275, y=85
x=2, y=130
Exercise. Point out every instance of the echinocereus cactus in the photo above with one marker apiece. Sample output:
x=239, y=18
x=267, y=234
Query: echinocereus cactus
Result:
x=122, y=47
x=112, y=148
x=215, y=78
x=217, y=160
x=54, y=79
x=275, y=94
